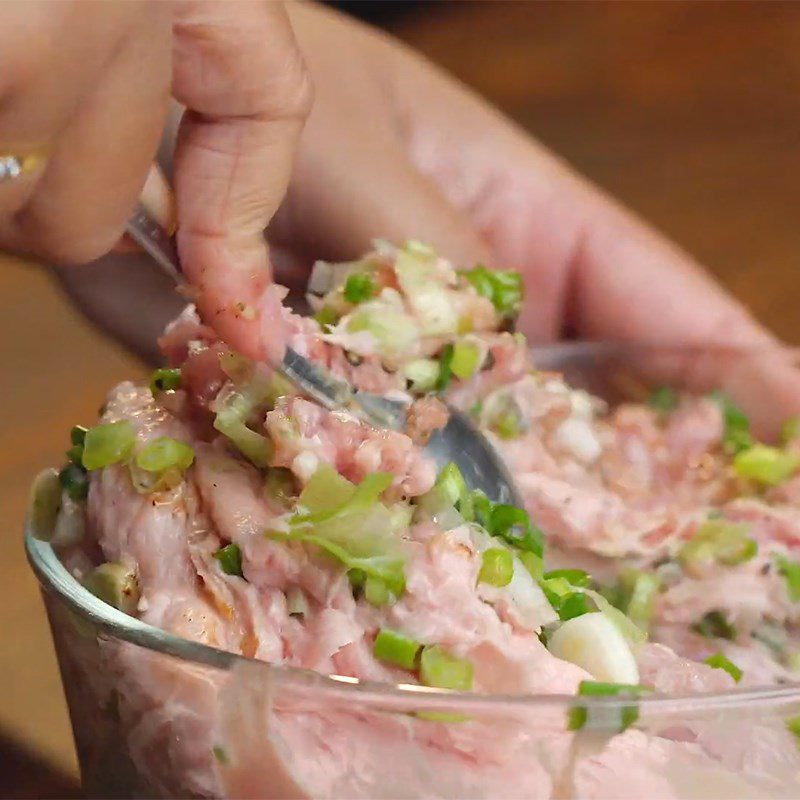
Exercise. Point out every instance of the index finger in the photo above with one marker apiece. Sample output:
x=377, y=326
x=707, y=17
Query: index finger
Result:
x=246, y=105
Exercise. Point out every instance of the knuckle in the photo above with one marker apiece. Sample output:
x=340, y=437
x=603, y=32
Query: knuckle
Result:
x=291, y=94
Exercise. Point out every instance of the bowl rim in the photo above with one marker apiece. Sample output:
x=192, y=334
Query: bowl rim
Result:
x=55, y=579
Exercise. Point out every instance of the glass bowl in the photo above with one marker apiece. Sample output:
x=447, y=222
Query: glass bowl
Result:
x=154, y=715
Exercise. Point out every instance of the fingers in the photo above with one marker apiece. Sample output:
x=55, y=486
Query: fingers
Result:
x=353, y=181
x=106, y=108
x=239, y=71
x=590, y=266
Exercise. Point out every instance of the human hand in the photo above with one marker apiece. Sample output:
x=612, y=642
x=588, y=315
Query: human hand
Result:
x=84, y=92
x=396, y=149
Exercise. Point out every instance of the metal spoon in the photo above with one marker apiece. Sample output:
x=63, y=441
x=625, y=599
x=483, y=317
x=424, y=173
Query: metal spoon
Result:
x=459, y=441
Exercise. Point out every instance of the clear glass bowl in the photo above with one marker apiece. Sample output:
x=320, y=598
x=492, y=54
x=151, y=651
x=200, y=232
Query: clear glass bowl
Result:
x=158, y=716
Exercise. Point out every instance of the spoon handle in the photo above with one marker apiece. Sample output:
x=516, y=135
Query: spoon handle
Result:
x=311, y=379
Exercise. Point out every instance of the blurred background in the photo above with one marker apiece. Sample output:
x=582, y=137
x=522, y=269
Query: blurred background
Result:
x=687, y=112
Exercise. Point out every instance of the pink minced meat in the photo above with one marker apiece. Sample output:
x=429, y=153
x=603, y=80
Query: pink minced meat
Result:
x=603, y=486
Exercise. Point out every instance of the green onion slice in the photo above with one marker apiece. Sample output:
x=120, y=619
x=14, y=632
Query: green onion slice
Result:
x=766, y=465
x=165, y=380
x=616, y=719
x=720, y=661
x=351, y=524
x=358, y=287
x=164, y=453
x=445, y=367
x=791, y=574
x=44, y=504
x=503, y=287
x=395, y=648
x=736, y=436
x=514, y=526
x=465, y=360
x=441, y=670
x=714, y=625
x=793, y=726
x=74, y=481
x=497, y=567
x=108, y=444
x=721, y=541
x=575, y=577
x=116, y=584
x=77, y=435
x=230, y=559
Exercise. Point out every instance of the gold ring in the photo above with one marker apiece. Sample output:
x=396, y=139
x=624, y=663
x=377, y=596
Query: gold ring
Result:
x=12, y=166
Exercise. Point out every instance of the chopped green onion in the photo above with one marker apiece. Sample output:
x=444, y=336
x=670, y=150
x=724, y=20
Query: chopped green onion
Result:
x=791, y=574
x=793, y=726
x=556, y=589
x=503, y=287
x=721, y=541
x=350, y=524
x=532, y=563
x=514, y=526
x=230, y=559
x=394, y=648
x=326, y=490
x=465, y=360
x=640, y=590
x=445, y=368
x=790, y=430
x=77, y=435
x=607, y=689
x=423, y=374
x=765, y=464
x=508, y=291
x=164, y=453
x=395, y=332
x=573, y=605
x=115, y=584
x=279, y=486
x=497, y=567
x=74, y=481
x=575, y=577
x=75, y=454
x=44, y=504
x=377, y=593
x=231, y=421
x=663, y=399
x=481, y=279
x=714, y=625
x=420, y=250
x=327, y=317
x=507, y=425
x=359, y=287
x=165, y=380
x=561, y=594
x=108, y=444
x=578, y=716
x=452, y=483
x=441, y=670
x=357, y=578
x=736, y=436
x=720, y=661
x=220, y=754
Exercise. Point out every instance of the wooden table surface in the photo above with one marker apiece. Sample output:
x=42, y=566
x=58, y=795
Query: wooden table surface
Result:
x=688, y=112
